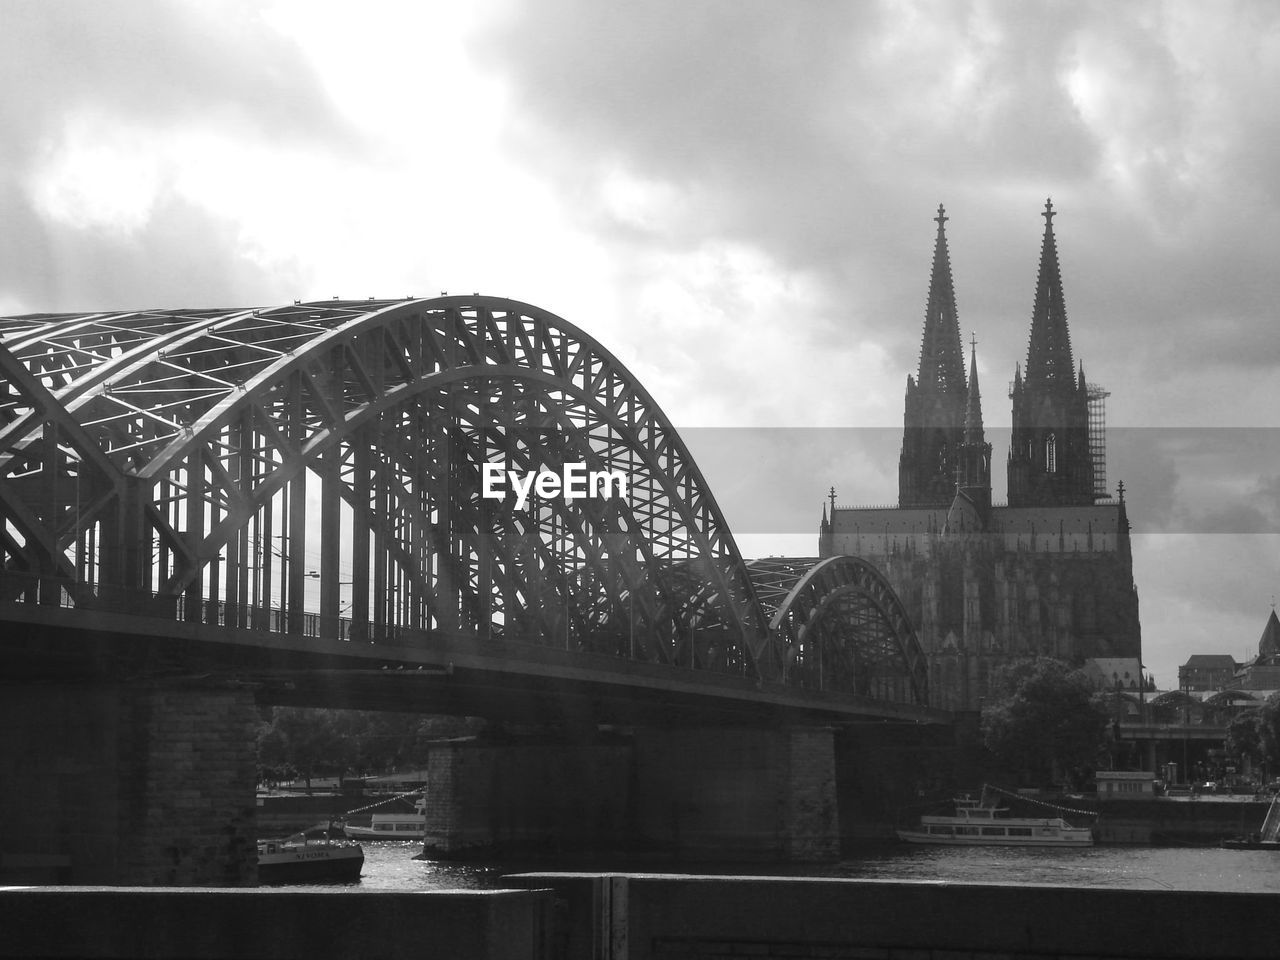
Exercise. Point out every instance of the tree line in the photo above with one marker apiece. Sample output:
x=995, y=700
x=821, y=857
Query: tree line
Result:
x=301, y=743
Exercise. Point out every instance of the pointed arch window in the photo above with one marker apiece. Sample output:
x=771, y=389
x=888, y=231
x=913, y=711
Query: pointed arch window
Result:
x=1051, y=454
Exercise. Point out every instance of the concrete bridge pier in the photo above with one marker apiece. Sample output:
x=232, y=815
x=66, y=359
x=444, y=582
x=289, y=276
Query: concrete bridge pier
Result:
x=693, y=793
x=137, y=783
x=738, y=792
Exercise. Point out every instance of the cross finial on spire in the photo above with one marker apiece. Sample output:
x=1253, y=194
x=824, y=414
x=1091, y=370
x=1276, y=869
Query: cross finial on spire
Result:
x=833, y=503
x=1048, y=211
x=941, y=218
x=973, y=339
x=1122, y=491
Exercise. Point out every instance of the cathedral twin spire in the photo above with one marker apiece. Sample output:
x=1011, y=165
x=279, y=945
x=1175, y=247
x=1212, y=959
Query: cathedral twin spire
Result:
x=944, y=449
x=1049, y=362
x=937, y=398
x=941, y=360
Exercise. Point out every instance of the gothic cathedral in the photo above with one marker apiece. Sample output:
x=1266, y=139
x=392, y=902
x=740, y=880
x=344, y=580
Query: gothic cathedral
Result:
x=1048, y=574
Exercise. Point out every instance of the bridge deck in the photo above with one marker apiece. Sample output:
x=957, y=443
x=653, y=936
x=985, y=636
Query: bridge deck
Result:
x=430, y=673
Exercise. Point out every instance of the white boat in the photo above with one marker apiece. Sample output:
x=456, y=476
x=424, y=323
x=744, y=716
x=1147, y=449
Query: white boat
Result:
x=392, y=826
x=976, y=823
x=298, y=860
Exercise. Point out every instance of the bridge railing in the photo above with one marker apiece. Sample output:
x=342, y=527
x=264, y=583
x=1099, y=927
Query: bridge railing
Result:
x=44, y=590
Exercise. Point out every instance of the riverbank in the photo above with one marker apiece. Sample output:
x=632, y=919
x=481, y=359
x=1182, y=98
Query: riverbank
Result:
x=282, y=814
x=1203, y=820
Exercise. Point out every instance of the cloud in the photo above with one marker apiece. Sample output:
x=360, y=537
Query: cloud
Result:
x=821, y=136
x=153, y=62
x=95, y=100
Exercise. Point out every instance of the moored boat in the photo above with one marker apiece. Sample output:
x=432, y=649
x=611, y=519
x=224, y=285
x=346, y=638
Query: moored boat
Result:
x=1267, y=838
x=298, y=860
x=982, y=823
x=392, y=826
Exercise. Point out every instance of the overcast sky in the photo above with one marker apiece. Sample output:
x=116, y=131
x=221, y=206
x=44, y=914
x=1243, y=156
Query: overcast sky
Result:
x=736, y=199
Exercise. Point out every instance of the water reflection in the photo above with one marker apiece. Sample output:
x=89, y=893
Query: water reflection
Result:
x=391, y=866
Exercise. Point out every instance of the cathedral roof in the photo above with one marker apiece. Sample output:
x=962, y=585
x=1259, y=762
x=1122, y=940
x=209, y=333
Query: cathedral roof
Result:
x=1098, y=518
x=1077, y=531
x=1269, y=645
x=1125, y=672
x=941, y=356
x=1210, y=661
x=1049, y=361
x=962, y=516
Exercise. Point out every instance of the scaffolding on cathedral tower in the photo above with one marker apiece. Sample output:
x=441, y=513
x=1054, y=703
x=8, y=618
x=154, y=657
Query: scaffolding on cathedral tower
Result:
x=1098, y=439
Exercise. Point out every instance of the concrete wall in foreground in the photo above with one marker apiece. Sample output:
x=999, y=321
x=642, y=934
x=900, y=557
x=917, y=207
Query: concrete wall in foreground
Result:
x=284, y=925
x=736, y=918
x=620, y=917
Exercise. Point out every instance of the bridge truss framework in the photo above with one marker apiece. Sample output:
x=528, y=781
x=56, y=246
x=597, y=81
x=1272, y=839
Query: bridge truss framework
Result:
x=316, y=470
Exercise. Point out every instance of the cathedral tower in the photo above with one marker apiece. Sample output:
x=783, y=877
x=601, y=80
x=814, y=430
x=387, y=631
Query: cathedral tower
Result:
x=1049, y=455
x=933, y=428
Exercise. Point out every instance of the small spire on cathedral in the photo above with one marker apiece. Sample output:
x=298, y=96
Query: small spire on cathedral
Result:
x=1122, y=491
x=973, y=432
x=832, y=495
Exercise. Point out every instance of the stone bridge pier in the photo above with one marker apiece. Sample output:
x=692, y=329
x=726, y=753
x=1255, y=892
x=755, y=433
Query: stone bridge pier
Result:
x=697, y=793
x=739, y=792
x=127, y=783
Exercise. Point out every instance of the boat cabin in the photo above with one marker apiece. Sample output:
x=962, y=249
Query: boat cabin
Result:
x=965, y=830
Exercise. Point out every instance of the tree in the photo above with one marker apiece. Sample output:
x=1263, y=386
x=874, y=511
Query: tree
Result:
x=1045, y=721
x=305, y=741
x=1268, y=724
x=273, y=754
x=1244, y=736
x=310, y=741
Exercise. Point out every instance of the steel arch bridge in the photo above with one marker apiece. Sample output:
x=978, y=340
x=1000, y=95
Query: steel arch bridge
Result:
x=319, y=470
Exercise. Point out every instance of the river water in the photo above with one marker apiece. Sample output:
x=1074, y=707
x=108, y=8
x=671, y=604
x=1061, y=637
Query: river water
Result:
x=390, y=866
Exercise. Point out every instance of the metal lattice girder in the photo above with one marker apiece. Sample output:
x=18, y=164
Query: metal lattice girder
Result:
x=841, y=627
x=264, y=468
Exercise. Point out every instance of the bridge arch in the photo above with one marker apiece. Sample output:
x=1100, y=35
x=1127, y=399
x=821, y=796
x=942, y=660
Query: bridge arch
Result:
x=841, y=627
x=317, y=469
x=188, y=455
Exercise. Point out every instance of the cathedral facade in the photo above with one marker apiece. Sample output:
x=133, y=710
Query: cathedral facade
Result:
x=1050, y=573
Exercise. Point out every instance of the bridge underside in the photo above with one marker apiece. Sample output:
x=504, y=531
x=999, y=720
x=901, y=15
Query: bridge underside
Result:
x=450, y=675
